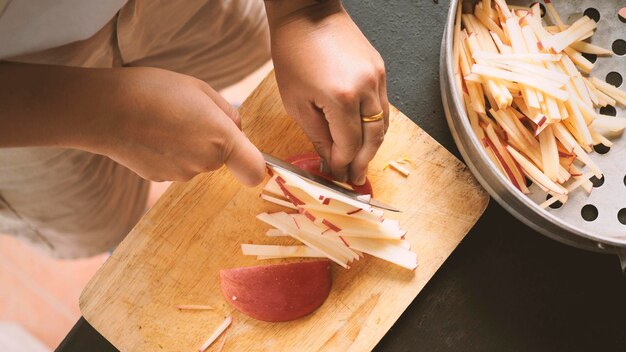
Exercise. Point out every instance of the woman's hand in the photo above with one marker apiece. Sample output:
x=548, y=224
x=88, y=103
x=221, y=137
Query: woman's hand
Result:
x=170, y=126
x=160, y=124
x=329, y=77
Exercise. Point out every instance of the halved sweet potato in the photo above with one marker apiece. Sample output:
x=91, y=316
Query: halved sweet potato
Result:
x=279, y=292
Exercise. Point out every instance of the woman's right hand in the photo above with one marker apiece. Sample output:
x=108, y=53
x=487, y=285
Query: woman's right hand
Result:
x=163, y=125
x=167, y=126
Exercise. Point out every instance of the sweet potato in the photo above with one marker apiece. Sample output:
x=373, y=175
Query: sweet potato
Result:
x=311, y=162
x=279, y=292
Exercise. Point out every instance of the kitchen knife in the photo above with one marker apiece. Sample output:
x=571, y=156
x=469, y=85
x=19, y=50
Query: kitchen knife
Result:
x=321, y=181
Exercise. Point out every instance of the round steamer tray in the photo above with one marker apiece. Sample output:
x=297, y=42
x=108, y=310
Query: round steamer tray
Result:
x=607, y=231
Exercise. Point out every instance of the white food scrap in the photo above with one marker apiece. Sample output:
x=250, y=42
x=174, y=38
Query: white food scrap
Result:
x=194, y=307
x=220, y=329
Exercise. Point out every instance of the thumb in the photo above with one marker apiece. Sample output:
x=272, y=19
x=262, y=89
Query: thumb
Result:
x=242, y=158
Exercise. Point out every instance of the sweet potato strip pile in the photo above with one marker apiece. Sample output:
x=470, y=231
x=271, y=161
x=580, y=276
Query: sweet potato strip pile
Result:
x=328, y=224
x=528, y=95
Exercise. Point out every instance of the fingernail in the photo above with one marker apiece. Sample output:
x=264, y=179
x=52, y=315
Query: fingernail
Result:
x=360, y=181
x=324, y=167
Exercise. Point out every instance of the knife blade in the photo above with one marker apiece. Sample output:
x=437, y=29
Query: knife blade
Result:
x=323, y=182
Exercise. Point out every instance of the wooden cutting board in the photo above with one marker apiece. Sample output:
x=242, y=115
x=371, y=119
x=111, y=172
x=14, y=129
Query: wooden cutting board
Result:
x=174, y=254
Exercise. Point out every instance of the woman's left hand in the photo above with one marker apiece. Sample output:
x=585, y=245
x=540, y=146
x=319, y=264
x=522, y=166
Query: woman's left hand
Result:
x=329, y=77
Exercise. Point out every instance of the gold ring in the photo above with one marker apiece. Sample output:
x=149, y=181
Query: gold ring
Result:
x=373, y=118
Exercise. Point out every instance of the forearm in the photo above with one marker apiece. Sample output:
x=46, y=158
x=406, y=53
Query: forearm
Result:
x=45, y=106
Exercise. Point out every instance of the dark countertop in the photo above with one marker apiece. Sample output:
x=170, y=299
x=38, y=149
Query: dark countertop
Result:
x=506, y=287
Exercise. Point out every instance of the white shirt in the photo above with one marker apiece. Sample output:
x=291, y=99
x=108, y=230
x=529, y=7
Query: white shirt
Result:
x=28, y=26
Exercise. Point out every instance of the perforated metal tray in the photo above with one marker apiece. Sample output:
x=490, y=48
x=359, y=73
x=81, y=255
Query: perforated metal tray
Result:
x=594, y=222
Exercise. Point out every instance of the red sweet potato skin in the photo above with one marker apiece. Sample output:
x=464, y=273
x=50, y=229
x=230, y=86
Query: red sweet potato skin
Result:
x=311, y=163
x=279, y=292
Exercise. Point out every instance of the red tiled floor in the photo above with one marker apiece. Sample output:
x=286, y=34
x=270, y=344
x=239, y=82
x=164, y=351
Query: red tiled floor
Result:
x=41, y=293
x=56, y=277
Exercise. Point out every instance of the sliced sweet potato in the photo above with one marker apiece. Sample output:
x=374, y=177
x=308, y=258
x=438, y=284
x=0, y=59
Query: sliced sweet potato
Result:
x=279, y=292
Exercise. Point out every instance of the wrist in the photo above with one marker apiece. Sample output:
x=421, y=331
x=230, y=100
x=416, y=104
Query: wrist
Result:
x=280, y=12
x=85, y=99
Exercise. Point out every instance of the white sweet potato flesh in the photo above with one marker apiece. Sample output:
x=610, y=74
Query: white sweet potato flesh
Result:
x=551, y=121
x=276, y=293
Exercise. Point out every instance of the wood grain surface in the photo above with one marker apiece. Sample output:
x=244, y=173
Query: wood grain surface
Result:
x=174, y=254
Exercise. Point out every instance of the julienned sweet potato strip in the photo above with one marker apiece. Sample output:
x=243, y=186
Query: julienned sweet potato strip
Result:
x=549, y=154
x=589, y=48
x=468, y=24
x=525, y=57
x=578, y=31
x=482, y=35
x=577, y=121
x=592, y=91
x=194, y=307
x=473, y=118
x=399, y=168
x=535, y=23
x=517, y=135
x=603, y=99
x=600, y=139
x=535, y=9
x=587, y=111
x=487, y=9
x=618, y=95
x=562, y=110
x=555, y=78
x=503, y=48
x=287, y=225
x=514, y=137
x=484, y=18
x=512, y=28
x=562, y=134
x=504, y=8
x=581, y=180
x=554, y=110
x=220, y=329
x=480, y=42
x=474, y=90
x=542, y=85
x=585, y=65
x=513, y=87
x=531, y=149
x=567, y=66
x=497, y=158
x=507, y=162
x=577, y=174
x=533, y=115
x=574, y=132
x=499, y=93
x=554, y=15
x=535, y=173
x=278, y=201
x=484, y=120
x=530, y=139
